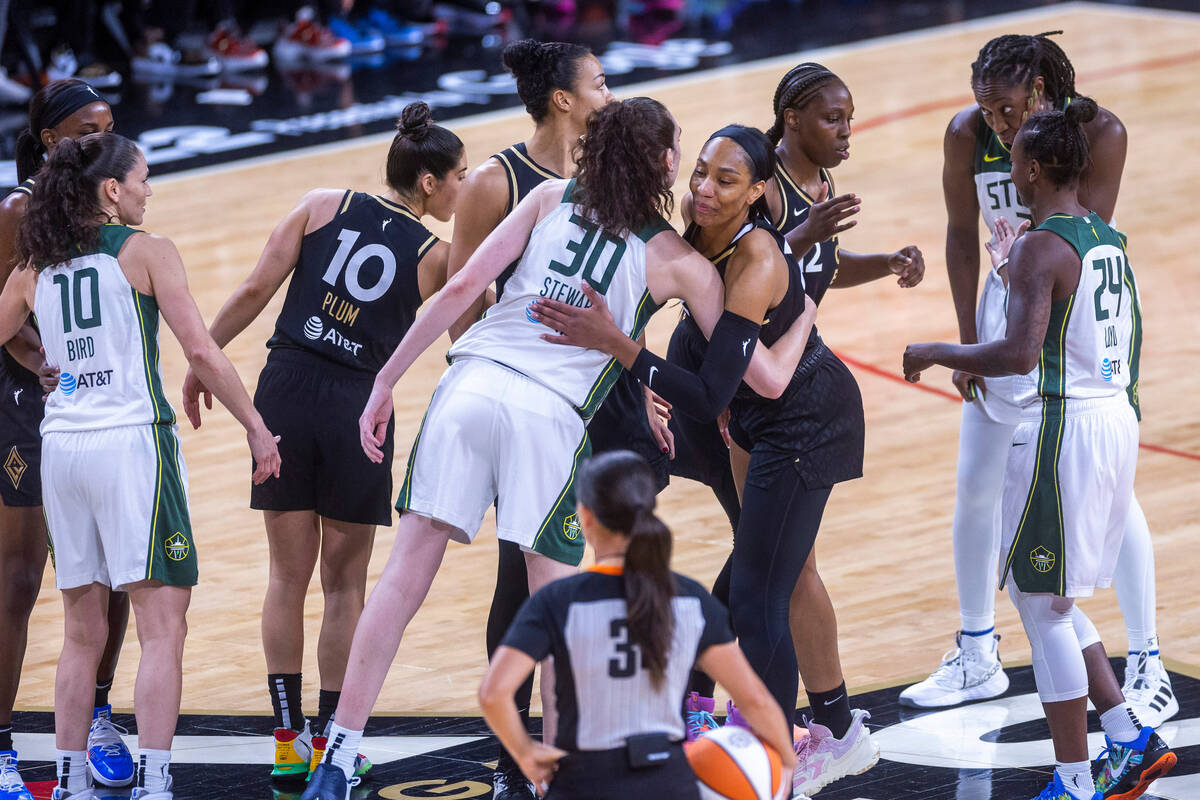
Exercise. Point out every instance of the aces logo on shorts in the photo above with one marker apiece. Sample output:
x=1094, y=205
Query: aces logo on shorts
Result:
x=15, y=466
x=571, y=527
x=177, y=547
x=1041, y=559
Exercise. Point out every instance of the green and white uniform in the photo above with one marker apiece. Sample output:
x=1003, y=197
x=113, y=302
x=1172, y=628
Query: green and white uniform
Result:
x=1069, y=477
x=508, y=421
x=115, y=485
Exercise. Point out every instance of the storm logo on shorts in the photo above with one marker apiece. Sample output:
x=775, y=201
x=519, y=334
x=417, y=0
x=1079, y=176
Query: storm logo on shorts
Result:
x=177, y=547
x=1041, y=559
x=571, y=527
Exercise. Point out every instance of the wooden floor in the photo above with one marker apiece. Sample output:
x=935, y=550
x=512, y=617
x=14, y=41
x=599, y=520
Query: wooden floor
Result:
x=885, y=544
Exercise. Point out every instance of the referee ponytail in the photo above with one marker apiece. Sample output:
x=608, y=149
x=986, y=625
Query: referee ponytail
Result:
x=618, y=488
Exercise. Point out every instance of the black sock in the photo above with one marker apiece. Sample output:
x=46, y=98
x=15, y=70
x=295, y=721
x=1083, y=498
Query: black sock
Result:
x=326, y=705
x=831, y=709
x=285, y=700
x=102, y=693
x=6, y=737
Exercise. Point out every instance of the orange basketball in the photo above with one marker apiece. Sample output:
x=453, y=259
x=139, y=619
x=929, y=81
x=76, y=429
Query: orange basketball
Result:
x=732, y=764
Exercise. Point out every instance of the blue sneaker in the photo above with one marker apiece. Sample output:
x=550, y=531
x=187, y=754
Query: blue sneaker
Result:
x=108, y=757
x=329, y=783
x=395, y=32
x=11, y=785
x=362, y=38
x=1125, y=771
x=1056, y=791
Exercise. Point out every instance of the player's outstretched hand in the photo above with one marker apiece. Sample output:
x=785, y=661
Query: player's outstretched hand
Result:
x=372, y=425
x=47, y=376
x=968, y=385
x=825, y=217
x=192, y=390
x=915, y=362
x=264, y=447
x=1002, y=240
x=583, y=327
x=908, y=264
x=538, y=763
x=658, y=414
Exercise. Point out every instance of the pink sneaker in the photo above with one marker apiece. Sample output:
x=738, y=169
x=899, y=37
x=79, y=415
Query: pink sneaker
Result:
x=734, y=717
x=698, y=716
x=821, y=759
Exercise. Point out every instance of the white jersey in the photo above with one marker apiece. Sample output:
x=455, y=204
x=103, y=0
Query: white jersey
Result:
x=103, y=336
x=1094, y=336
x=564, y=249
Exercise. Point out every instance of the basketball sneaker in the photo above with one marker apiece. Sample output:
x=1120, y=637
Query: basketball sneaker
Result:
x=362, y=764
x=1148, y=689
x=1125, y=771
x=109, y=759
x=509, y=783
x=62, y=794
x=966, y=673
x=142, y=793
x=822, y=759
x=1055, y=790
x=307, y=40
x=329, y=783
x=293, y=753
x=11, y=785
x=698, y=716
x=734, y=717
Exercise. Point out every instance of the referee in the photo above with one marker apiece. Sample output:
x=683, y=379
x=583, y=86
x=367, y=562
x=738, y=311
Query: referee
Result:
x=624, y=635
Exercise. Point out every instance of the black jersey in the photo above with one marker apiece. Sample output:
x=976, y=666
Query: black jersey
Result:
x=603, y=693
x=9, y=366
x=354, y=292
x=820, y=264
x=524, y=175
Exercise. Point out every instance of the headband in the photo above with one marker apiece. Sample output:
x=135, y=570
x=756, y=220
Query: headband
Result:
x=756, y=146
x=67, y=102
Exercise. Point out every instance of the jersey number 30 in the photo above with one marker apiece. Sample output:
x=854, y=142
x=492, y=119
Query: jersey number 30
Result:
x=588, y=250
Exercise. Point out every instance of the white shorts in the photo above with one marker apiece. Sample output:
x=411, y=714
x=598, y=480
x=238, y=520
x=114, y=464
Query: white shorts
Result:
x=116, y=507
x=493, y=435
x=1067, y=487
x=991, y=323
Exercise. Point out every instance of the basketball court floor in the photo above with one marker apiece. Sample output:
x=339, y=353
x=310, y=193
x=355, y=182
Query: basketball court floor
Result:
x=885, y=543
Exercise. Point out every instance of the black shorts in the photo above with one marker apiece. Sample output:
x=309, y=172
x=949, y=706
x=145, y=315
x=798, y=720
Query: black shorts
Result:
x=621, y=424
x=21, y=413
x=313, y=405
x=700, y=452
x=606, y=774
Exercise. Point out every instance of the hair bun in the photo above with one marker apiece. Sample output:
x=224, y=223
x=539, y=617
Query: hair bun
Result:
x=1081, y=110
x=415, y=120
x=522, y=56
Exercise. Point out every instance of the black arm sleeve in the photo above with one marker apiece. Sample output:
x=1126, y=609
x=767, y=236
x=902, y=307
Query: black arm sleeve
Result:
x=704, y=395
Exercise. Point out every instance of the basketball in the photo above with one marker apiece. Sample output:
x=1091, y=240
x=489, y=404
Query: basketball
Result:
x=732, y=764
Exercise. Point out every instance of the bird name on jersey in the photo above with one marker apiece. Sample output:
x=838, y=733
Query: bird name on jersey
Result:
x=83, y=347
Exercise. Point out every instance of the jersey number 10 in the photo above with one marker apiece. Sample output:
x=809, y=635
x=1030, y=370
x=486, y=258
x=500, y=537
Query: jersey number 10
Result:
x=72, y=288
x=353, y=266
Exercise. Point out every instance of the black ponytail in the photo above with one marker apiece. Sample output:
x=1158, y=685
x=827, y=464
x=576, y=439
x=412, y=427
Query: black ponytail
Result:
x=1057, y=140
x=64, y=214
x=420, y=146
x=540, y=68
x=796, y=89
x=53, y=103
x=618, y=487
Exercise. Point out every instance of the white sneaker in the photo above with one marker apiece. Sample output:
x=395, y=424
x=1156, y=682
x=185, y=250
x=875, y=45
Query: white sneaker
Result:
x=62, y=794
x=822, y=759
x=1148, y=690
x=966, y=673
x=140, y=793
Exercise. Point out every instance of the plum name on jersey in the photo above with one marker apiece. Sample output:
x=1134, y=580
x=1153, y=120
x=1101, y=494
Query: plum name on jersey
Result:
x=341, y=310
x=565, y=293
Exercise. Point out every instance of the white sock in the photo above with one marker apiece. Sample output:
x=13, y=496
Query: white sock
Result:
x=1121, y=724
x=342, y=748
x=73, y=773
x=153, y=769
x=1076, y=778
x=981, y=641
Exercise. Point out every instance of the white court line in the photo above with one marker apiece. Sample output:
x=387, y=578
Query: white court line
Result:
x=1015, y=17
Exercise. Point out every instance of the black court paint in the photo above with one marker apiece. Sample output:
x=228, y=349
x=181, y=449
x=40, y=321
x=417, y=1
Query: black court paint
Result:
x=911, y=767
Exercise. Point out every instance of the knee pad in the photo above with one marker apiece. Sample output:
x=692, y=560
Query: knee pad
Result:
x=1058, y=666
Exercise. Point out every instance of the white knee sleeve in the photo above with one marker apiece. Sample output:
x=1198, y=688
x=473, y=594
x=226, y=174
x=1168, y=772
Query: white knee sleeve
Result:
x=1085, y=631
x=1133, y=580
x=1050, y=623
x=982, y=450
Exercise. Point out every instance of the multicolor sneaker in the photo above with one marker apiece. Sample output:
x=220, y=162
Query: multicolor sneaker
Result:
x=11, y=785
x=1148, y=689
x=293, y=753
x=308, y=40
x=235, y=52
x=362, y=764
x=1055, y=790
x=966, y=673
x=109, y=759
x=734, y=717
x=822, y=759
x=329, y=783
x=1125, y=771
x=698, y=716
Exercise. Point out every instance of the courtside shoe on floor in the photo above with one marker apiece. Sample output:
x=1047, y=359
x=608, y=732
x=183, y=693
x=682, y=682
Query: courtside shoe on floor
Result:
x=329, y=783
x=11, y=785
x=1125, y=771
x=108, y=758
x=698, y=714
x=140, y=793
x=62, y=794
x=234, y=52
x=1148, y=689
x=508, y=783
x=1056, y=791
x=362, y=764
x=821, y=759
x=966, y=673
x=308, y=40
x=293, y=753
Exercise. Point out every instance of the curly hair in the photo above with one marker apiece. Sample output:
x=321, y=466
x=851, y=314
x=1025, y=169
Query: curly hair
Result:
x=540, y=68
x=64, y=214
x=1015, y=60
x=1057, y=141
x=621, y=182
x=796, y=89
x=420, y=146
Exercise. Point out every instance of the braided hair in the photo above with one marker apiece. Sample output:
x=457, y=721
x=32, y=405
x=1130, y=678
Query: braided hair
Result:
x=1015, y=59
x=796, y=90
x=1057, y=141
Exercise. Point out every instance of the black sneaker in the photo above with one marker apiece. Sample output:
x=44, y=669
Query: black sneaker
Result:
x=508, y=783
x=328, y=783
x=1125, y=771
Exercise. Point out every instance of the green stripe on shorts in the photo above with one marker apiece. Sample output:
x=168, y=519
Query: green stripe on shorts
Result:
x=172, y=556
x=560, y=536
x=1037, y=558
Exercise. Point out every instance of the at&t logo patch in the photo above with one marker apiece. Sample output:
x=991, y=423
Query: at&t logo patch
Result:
x=1041, y=559
x=1106, y=370
x=313, y=328
x=66, y=383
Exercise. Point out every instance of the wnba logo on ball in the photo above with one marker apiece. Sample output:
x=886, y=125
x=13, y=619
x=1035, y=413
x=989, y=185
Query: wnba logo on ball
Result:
x=67, y=383
x=313, y=328
x=1106, y=370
